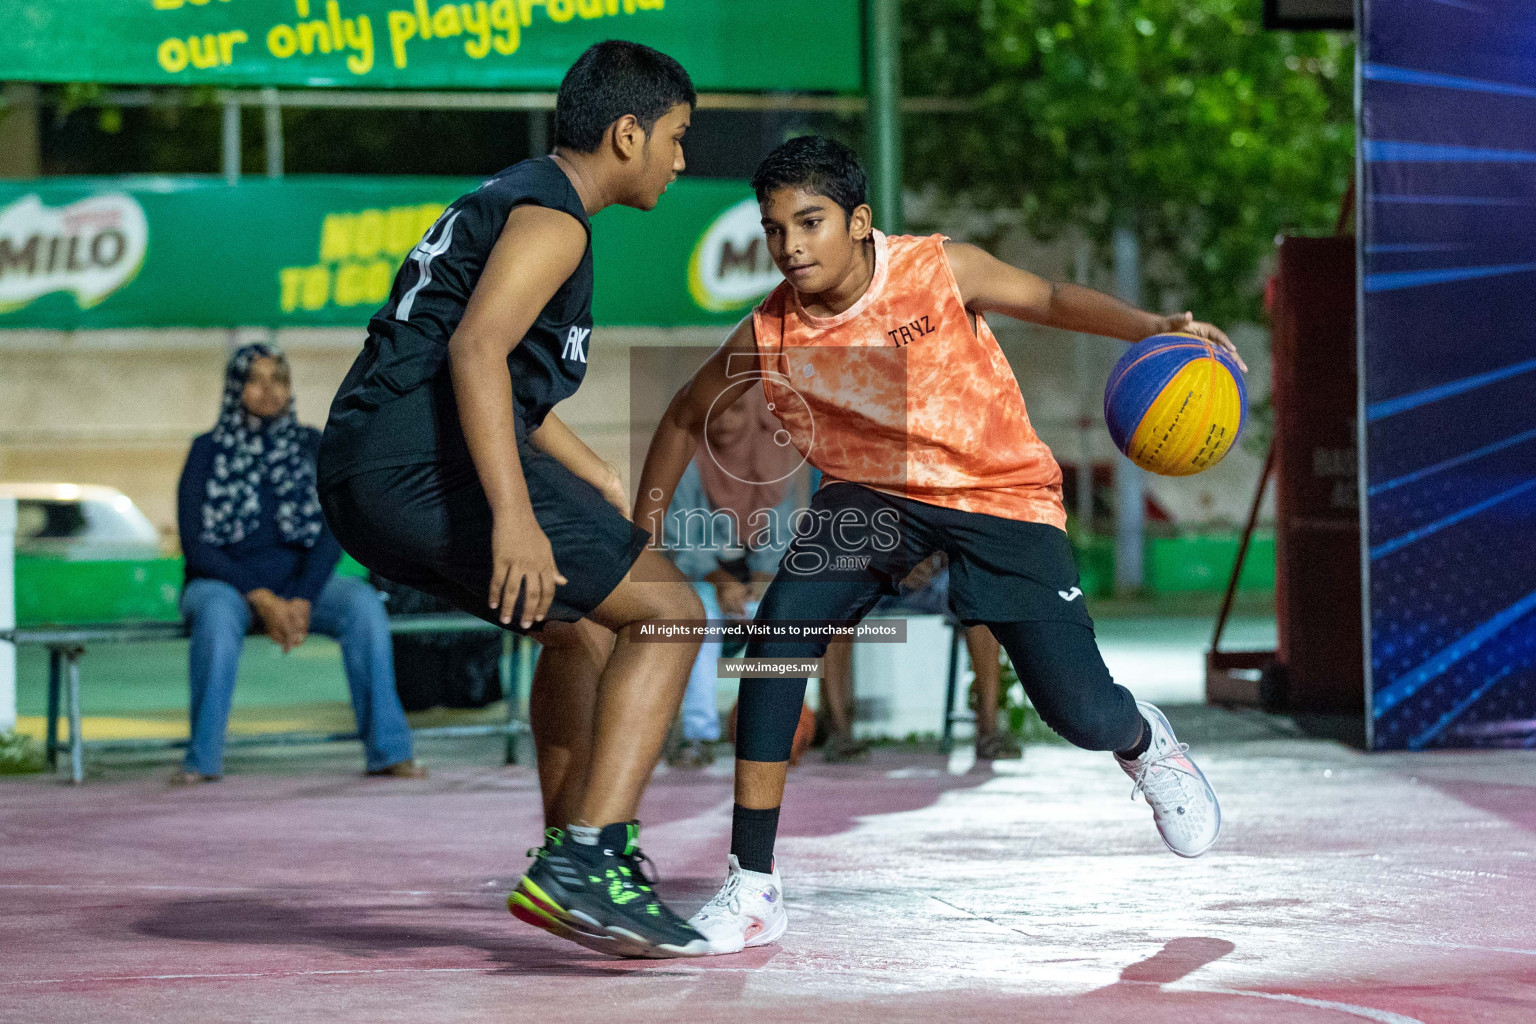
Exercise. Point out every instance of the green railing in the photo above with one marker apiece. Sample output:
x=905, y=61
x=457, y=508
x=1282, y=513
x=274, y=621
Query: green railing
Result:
x=1200, y=563
x=59, y=591
x=56, y=591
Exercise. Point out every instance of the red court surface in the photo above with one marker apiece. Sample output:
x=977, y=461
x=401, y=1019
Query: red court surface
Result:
x=1346, y=887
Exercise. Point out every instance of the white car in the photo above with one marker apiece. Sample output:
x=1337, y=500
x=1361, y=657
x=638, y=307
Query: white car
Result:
x=83, y=522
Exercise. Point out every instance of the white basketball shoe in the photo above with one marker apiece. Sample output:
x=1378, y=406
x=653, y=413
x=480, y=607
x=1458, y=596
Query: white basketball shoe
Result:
x=747, y=911
x=1182, y=802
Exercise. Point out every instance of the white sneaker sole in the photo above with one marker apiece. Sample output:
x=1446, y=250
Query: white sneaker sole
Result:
x=773, y=933
x=659, y=951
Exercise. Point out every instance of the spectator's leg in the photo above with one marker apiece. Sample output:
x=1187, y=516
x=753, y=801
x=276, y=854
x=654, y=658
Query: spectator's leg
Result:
x=218, y=617
x=837, y=688
x=352, y=612
x=985, y=663
x=701, y=715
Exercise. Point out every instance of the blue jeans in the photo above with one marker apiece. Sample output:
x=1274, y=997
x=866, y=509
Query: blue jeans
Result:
x=349, y=611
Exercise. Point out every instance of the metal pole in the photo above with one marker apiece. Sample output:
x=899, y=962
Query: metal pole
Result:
x=55, y=685
x=538, y=133
x=883, y=49
x=1130, y=498
x=416, y=99
x=76, y=740
x=230, y=139
x=273, y=130
x=8, y=524
x=951, y=685
x=1242, y=548
x=20, y=146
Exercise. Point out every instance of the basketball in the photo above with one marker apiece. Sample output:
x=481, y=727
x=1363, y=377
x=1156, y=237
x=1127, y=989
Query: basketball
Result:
x=1175, y=404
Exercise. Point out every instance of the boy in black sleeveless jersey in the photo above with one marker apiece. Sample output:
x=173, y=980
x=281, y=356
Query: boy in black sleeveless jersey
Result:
x=443, y=468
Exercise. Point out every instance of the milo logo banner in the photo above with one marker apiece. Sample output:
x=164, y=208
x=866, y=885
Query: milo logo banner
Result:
x=90, y=248
x=730, y=268
x=323, y=251
x=425, y=44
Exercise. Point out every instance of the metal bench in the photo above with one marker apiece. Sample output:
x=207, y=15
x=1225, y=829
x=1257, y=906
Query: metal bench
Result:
x=67, y=644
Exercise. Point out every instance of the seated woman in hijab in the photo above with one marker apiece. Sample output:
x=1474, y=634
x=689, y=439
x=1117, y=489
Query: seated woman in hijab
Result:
x=728, y=525
x=257, y=549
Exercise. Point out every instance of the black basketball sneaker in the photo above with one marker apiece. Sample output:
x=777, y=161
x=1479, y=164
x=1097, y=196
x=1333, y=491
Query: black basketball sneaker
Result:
x=599, y=897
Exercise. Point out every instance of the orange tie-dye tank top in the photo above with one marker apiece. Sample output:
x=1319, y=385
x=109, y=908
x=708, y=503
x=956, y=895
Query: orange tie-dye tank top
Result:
x=900, y=394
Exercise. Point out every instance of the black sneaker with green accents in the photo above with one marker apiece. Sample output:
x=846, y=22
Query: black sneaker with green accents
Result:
x=599, y=897
x=529, y=904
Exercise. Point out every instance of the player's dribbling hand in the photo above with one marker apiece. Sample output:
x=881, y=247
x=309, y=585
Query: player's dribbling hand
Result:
x=1185, y=323
x=522, y=563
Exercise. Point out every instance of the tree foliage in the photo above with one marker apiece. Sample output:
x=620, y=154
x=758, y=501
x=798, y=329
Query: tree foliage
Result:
x=1186, y=120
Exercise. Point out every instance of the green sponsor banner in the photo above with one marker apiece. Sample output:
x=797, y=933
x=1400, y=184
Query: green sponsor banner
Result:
x=322, y=251
x=426, y=44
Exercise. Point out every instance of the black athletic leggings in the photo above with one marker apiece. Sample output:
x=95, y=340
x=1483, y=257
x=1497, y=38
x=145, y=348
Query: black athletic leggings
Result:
x=1058, y=663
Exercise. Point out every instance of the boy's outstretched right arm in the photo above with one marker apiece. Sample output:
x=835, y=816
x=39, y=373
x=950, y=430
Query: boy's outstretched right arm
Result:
x=677, y=436
x=988, y=284
x=538, y=249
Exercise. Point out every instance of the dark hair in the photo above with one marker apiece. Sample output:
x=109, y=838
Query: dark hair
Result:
x=822, y=166
x=611, y=79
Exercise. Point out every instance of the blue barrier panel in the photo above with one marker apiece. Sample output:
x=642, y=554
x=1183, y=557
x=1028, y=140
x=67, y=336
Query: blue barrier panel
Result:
x=1448, y=153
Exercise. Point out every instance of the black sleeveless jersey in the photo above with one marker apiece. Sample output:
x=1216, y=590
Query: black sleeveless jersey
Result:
x=396, y=405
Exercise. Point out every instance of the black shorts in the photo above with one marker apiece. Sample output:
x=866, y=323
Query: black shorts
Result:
x=1000, y=570
x=429, y=526
x=1016, y=578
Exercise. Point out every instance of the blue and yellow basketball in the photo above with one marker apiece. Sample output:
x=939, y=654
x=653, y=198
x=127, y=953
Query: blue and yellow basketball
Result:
x=1175, y=404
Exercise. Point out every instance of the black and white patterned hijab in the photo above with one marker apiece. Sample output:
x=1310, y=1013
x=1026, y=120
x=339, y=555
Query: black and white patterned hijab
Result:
x=250, y=452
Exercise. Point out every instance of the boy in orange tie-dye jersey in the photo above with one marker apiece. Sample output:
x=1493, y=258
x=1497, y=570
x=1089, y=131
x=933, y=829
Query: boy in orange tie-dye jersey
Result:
x=876, y=357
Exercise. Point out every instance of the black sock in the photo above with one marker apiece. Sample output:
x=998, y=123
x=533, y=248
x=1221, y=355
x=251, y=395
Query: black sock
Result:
x=1143, y=741
x=752, y=836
